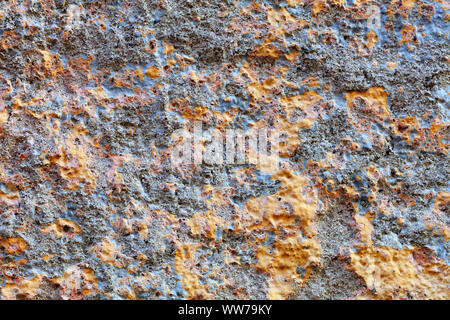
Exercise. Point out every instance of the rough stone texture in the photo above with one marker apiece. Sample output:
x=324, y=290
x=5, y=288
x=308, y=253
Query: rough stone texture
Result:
x=91, y=93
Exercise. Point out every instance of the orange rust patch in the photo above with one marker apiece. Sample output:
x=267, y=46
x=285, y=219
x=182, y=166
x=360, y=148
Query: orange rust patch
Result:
x=202, y=113
x=153, y=72
x=408, y=33
x=439, y=214
x=185, y=266
x=402, y=7
x=292, y=56
x=390, y=65
x=21, y=288
x=282, y=21
x=13, y=246
x=394, y=274
x=63, y=228
x=107, y=252
x=304, y=102
x=10, y=40
x=10, y=198
x=311, y=82
x=77, y=283
x=364, y=48
x=263, y=91
x=73, y=159
x=365, y=107
x=283, y=262
x=267, y=49
x=204, y=223
x=426, y=10
x=371, y=39
x=168, y=48
x=404, y=126
x=301, y=112
x=291, y=209
x=43, y=64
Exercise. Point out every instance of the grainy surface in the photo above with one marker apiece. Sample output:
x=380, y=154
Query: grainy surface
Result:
x=91, y=93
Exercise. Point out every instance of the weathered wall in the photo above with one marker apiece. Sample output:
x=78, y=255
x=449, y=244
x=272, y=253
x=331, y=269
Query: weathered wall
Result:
x=91, y=92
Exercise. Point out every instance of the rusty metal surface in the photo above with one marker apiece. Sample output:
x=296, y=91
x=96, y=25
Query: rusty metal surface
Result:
x=92, y=93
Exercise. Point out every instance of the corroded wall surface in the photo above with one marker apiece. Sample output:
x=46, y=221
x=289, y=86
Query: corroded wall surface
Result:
x=91, y=93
